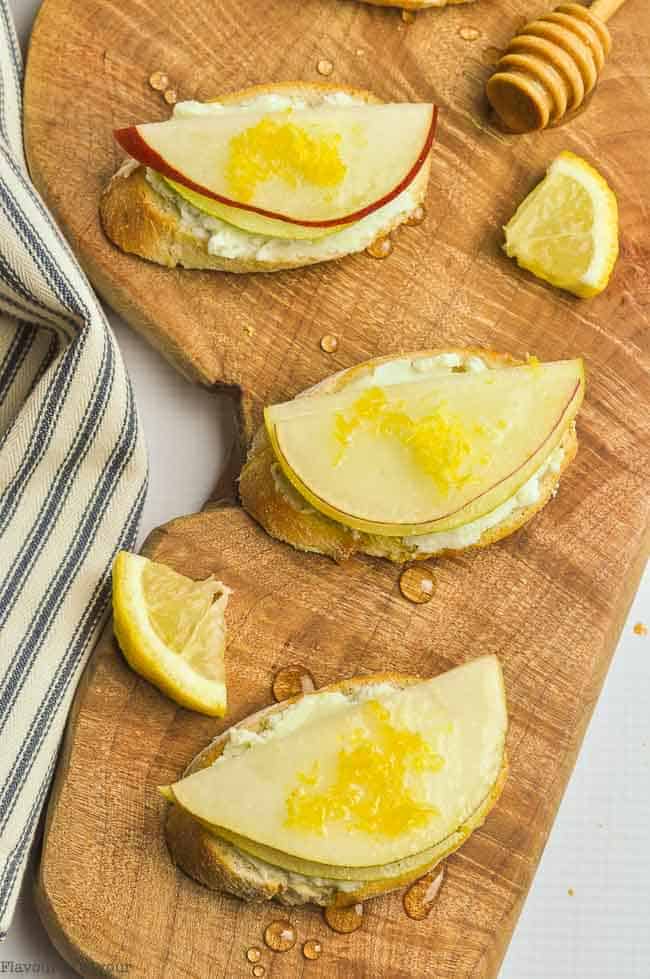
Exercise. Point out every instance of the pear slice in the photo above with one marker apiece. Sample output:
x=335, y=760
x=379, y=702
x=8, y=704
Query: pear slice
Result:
x=370, y=784
x=405, y=869
x=425, y=456
x=255, y=224
x=318, y=167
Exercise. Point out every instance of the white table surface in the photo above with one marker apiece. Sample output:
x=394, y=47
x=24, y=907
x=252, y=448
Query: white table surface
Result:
x=588, y=913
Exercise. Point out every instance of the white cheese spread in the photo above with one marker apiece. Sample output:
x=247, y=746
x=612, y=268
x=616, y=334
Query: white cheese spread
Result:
x=226, y=241
x=293, y=717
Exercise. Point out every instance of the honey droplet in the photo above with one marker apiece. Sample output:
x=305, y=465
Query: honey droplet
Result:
x=254, y=954
x=324, y=67
x=416, y=217
x=291, y=681
x=640, y=629
x=159, y=80
x=312, y=949
x=421, y=896
x=258, y=971
x=344, y=920
x=170, y=96
x=469, y=33
x=380, y=248
x=417, y=584
x=329, y=343
x=408, y=16
x=280, y=935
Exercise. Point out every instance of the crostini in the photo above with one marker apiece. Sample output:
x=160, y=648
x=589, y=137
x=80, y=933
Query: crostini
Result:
x=266, y=811
x=413, y=456
x=270, y=178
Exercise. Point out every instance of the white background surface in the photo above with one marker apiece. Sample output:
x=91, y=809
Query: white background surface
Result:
x=599, y=848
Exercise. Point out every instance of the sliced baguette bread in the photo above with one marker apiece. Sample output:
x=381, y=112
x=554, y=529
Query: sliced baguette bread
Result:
x=141, y=215
x=222, y=866
x=268, y=496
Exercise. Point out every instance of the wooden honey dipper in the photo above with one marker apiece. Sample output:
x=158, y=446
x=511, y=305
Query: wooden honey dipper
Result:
x=551, y=65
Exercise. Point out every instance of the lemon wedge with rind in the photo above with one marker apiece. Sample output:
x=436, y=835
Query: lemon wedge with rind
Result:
x=566, y=230
x=171, y=630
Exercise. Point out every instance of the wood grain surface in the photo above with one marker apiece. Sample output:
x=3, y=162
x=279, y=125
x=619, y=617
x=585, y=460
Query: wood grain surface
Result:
x=550, y=601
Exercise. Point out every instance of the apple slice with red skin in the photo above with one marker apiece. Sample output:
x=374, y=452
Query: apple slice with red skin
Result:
x=384, y=476
x=378, y=150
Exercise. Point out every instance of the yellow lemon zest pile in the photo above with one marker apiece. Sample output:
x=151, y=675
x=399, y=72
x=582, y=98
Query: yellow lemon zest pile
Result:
x=370, y=791
x=438, y=442
x=282, y=149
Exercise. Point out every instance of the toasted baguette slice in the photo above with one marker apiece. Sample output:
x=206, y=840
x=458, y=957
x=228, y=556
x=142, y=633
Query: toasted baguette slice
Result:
x=278, y=507
x=222, y=866
x=141, y=216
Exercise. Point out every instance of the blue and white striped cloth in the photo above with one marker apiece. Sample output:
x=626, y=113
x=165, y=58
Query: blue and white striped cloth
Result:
x=72, y=481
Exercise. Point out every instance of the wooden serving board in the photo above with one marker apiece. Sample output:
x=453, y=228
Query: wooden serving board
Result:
x=550, y=600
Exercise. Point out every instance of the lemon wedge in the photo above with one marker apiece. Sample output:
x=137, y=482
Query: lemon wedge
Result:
x=566, y=230
x=172, y=631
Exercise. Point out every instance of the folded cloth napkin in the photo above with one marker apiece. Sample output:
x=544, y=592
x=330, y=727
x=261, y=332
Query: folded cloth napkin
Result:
x=72, y=481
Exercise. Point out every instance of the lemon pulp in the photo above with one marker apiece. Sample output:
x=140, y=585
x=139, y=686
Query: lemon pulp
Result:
x=171, y=630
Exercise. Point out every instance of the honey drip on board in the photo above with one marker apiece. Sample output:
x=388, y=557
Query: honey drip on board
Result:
x=312, y=949
x=291, y=681
x=159, y=81
x=329, y=343
x=380, y=248
x=422, y=895
x=408, y=16
x=417, y=584
x=469, y=33
x=258, y=971
x=417, y=217
x=280, y=935
x=254, y=954
x=344, y=920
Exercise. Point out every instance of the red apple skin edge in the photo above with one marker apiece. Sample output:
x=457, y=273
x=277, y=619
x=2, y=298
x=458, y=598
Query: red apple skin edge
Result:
x=577, y=393
x=132, y=143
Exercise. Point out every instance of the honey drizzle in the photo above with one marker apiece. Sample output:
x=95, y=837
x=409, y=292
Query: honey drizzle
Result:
x=380, y=247
x=422, y=895
x=280, y=935
x=291, y=681
x=344, y=920
x=417, y=584
x=312, y=949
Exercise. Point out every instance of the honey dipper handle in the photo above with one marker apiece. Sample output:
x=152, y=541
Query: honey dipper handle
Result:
x=604, y=9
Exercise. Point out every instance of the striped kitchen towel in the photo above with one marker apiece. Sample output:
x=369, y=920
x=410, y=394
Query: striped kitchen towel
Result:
x=72, y=481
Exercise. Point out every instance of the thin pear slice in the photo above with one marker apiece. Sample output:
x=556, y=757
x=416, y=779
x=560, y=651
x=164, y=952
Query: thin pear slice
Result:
x=425, y=456
x=255, y=224
x=315, y=167
x=404, y=869
x=422, y=761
